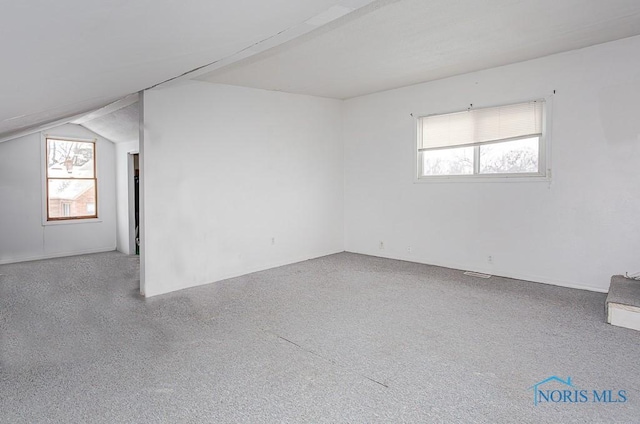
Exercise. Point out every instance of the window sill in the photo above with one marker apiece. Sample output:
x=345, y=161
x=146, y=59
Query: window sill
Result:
x=484, y=179
x=72, y=221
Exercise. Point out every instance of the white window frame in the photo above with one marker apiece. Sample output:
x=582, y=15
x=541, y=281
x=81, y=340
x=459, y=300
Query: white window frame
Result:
x=544, y=152
x=43, y=174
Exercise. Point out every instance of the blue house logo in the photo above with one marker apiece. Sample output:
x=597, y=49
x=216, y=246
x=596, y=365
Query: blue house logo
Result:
x=537, y=392
x=569, y=393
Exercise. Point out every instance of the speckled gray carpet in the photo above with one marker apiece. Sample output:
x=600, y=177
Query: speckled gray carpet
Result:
x=344, y=338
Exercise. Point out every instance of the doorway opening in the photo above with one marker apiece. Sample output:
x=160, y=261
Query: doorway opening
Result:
x=134, y=203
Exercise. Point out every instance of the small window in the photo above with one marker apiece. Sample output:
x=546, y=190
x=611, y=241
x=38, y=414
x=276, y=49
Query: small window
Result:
x=66, y=209
x=504, y=141
x=71, y=184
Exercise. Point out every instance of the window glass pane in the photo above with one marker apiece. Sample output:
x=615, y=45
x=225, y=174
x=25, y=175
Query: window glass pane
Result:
x=510, y=157
x=454, y=161
x=71, y=198
x=67, y=159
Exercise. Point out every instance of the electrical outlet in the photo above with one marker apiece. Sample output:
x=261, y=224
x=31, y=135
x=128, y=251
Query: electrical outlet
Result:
x=409, y=249
x=490, y=259
x=381, y=247
x=273, y=241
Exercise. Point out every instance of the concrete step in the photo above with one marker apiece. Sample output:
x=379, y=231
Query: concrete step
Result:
x=623, y=302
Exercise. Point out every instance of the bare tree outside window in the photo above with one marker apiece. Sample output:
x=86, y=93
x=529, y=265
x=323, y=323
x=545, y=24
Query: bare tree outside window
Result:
x=457, y=161
x=510, y=157
x=71, y=179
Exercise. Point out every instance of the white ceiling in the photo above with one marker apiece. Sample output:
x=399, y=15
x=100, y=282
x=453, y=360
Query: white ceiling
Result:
x=390, y=44
x=65, y=57
x=120, y=126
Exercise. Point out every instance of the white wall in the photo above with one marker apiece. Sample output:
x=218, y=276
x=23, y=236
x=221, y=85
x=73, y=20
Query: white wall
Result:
x=122, y=192
x=226, y=169
x=576, y=232
x=22, y=233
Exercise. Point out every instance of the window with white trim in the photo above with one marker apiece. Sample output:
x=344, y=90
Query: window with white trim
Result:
x=71, y=183
x=503, y=141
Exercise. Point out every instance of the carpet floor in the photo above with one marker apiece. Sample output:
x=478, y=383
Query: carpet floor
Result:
x=343, y=338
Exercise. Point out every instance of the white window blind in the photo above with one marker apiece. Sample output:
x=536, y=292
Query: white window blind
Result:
x=482, y=125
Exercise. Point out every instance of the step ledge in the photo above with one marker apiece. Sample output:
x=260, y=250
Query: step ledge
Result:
x=624, y=316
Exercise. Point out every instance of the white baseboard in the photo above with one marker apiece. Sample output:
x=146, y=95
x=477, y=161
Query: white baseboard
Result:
x=496, y=272
x=55, y=255
x=517, y=276
x=247, y=271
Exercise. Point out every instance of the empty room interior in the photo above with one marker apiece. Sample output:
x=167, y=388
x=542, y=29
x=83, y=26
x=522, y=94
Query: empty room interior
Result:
x=321, y=211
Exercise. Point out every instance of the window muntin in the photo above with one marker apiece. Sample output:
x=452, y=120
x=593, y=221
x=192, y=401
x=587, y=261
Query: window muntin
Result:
x=504, y=141
x=71, y=183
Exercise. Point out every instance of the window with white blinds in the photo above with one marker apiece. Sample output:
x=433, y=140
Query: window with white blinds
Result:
x=497, y=141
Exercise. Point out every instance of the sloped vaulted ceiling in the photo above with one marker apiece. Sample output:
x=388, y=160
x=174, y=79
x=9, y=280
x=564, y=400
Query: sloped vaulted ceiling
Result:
x=120, y=126
x=389, y=44
x=62, y=58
